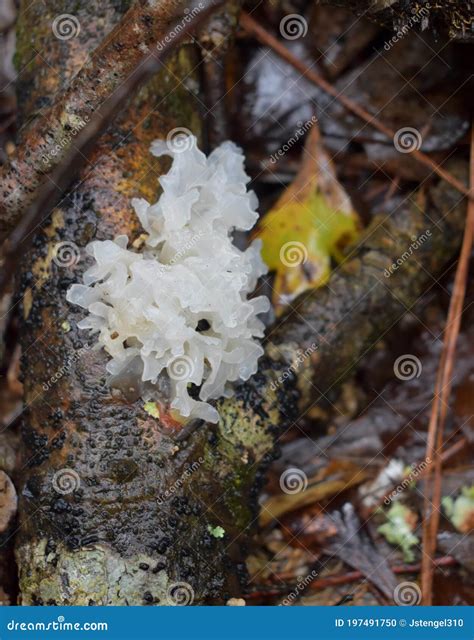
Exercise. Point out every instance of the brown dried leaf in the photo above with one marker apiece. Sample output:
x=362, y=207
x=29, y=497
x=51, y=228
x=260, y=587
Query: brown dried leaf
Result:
x=355, y=548
x=338, y=476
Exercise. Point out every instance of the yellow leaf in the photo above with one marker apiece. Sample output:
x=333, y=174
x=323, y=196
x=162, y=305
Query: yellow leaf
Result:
x=309, y=226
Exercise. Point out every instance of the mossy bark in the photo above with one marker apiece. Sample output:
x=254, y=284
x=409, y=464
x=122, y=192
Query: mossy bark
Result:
x=97, y=59
x=119, y=506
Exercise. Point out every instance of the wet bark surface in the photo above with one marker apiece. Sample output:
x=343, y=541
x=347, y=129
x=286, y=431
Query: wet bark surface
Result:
x=106, y=493
x=96, y=60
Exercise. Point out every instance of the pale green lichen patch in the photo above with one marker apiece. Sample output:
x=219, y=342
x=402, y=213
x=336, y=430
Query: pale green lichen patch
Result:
x=93, y=575
x=152, y=409
x=66, y=326
x=460, y=510
x=398, y=529
x=243, y=429
x=216, y=532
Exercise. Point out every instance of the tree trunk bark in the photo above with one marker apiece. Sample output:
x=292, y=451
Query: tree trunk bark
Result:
x=91, y=70
x=110, y=540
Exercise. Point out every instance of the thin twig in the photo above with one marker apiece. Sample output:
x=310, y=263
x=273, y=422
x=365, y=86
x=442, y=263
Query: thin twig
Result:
x=346, y=578
x=266, y=38
x=441, y=400
x=56, y=183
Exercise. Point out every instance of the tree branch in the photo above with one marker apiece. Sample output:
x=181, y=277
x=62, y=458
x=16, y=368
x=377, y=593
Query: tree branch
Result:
x=131, y=51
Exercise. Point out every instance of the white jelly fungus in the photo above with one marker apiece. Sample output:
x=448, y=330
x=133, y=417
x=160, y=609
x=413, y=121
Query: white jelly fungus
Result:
x=180, y=306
